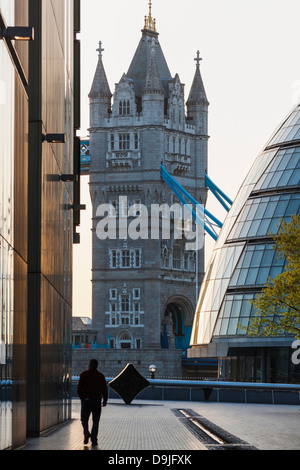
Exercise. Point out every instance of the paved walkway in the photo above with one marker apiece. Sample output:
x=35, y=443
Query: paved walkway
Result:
x=180, y=426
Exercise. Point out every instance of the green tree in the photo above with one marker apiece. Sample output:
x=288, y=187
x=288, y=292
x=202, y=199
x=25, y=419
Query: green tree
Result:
x=278, y=305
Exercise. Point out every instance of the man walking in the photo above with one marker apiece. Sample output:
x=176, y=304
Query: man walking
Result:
x=91, y=389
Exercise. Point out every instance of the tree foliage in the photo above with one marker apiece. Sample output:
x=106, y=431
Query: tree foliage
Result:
x=278, y=305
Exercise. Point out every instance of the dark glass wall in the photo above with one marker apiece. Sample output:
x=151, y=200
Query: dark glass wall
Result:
x=13, y=226
x=50, y=215
x=36, y=218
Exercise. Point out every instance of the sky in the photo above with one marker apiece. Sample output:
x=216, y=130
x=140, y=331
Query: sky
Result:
x=250, y=68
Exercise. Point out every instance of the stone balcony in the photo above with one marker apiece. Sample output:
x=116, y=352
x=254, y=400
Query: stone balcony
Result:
x=123, y=159
x=178, y=164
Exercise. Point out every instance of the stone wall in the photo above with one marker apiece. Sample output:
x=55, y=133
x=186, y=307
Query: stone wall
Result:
x=112, y=361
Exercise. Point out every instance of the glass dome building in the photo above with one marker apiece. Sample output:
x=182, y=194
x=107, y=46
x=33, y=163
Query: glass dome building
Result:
x=241, y=262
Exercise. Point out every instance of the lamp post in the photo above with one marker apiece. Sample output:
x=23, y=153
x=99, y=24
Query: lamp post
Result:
x=152, y=369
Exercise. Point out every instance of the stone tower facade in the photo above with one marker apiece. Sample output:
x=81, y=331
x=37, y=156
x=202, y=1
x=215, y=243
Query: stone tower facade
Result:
x=145, y=288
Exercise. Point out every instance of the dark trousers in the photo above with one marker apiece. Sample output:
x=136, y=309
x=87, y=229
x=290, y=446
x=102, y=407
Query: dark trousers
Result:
x=88, y=407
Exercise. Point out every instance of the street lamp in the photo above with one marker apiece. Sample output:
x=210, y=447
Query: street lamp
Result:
x=152, y=369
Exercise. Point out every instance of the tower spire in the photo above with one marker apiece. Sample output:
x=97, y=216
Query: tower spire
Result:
x=100, y=86
x=197, y=94
x=198, y=59
x=150, y=23
x=100, y=49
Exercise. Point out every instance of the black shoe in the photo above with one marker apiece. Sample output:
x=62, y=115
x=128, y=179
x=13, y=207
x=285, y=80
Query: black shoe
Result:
x=94, y=444
x=86, y=438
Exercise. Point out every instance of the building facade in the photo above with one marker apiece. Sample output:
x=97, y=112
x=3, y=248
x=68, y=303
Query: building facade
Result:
x=39, y=158
x=144, y=286
x=13, y=224
x=241, y=263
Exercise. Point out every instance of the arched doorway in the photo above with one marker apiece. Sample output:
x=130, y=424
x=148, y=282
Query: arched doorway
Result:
x=125, y=340
x=177, y=324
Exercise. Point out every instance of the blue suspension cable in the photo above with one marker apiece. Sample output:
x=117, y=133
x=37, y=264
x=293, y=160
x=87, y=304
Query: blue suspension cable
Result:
x=166, y=175
x=178, y=189
x=218, y=193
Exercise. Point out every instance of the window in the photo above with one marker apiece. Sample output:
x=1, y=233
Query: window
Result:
x=113, y=294
x=124, y=141
x=113, y=258
x=136, y=141
x=284, y=170
x=262, y=215
x=186, y=261
x=112, y=142
x=137, y=258
x=185, y=147
x=125, y=303
x=125, y=258
x=136, y=293
x=177, y=257
x=235, y=312
x=257, y=263
x=165, y=257
x=124, y=107
x=167, y=143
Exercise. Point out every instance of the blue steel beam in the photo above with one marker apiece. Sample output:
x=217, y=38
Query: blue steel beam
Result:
x=180, y=191
x=218, y=193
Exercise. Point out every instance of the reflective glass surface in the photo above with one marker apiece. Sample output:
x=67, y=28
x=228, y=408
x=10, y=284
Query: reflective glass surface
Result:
x=289, y=131
x=235, y=314
x=212, y=292
x=261, y=216
x=7, y=81
x=224, y=301
x=283, y=171
x=257, y=263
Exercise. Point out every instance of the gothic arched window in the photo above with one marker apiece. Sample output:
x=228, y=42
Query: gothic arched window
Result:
x=124, y=107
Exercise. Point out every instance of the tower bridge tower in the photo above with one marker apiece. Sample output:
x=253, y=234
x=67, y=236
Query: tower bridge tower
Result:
x=145, y=289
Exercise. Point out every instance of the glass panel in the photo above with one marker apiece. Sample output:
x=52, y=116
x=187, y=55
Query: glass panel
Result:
x=268, y=257
x=246, y=306
x=263, y=228
x=295, y=179
x=262, y=276
x=236, y=308
x=253, y=229
x=227, y=308
x=256, y=259
x=242, y=277
x=224, y=326
x=232, y=326
x=244, y=323
x=252, y=275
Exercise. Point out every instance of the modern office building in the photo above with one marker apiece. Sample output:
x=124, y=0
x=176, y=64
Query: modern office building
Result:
x=144, y=289
x=241, y=262
x=39, y=156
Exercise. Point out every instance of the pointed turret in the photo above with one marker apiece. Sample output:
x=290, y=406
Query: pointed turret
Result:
x=140, y=63
x=153, y=82
x=197, y=103
x=100, y=94
x=153, y=92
